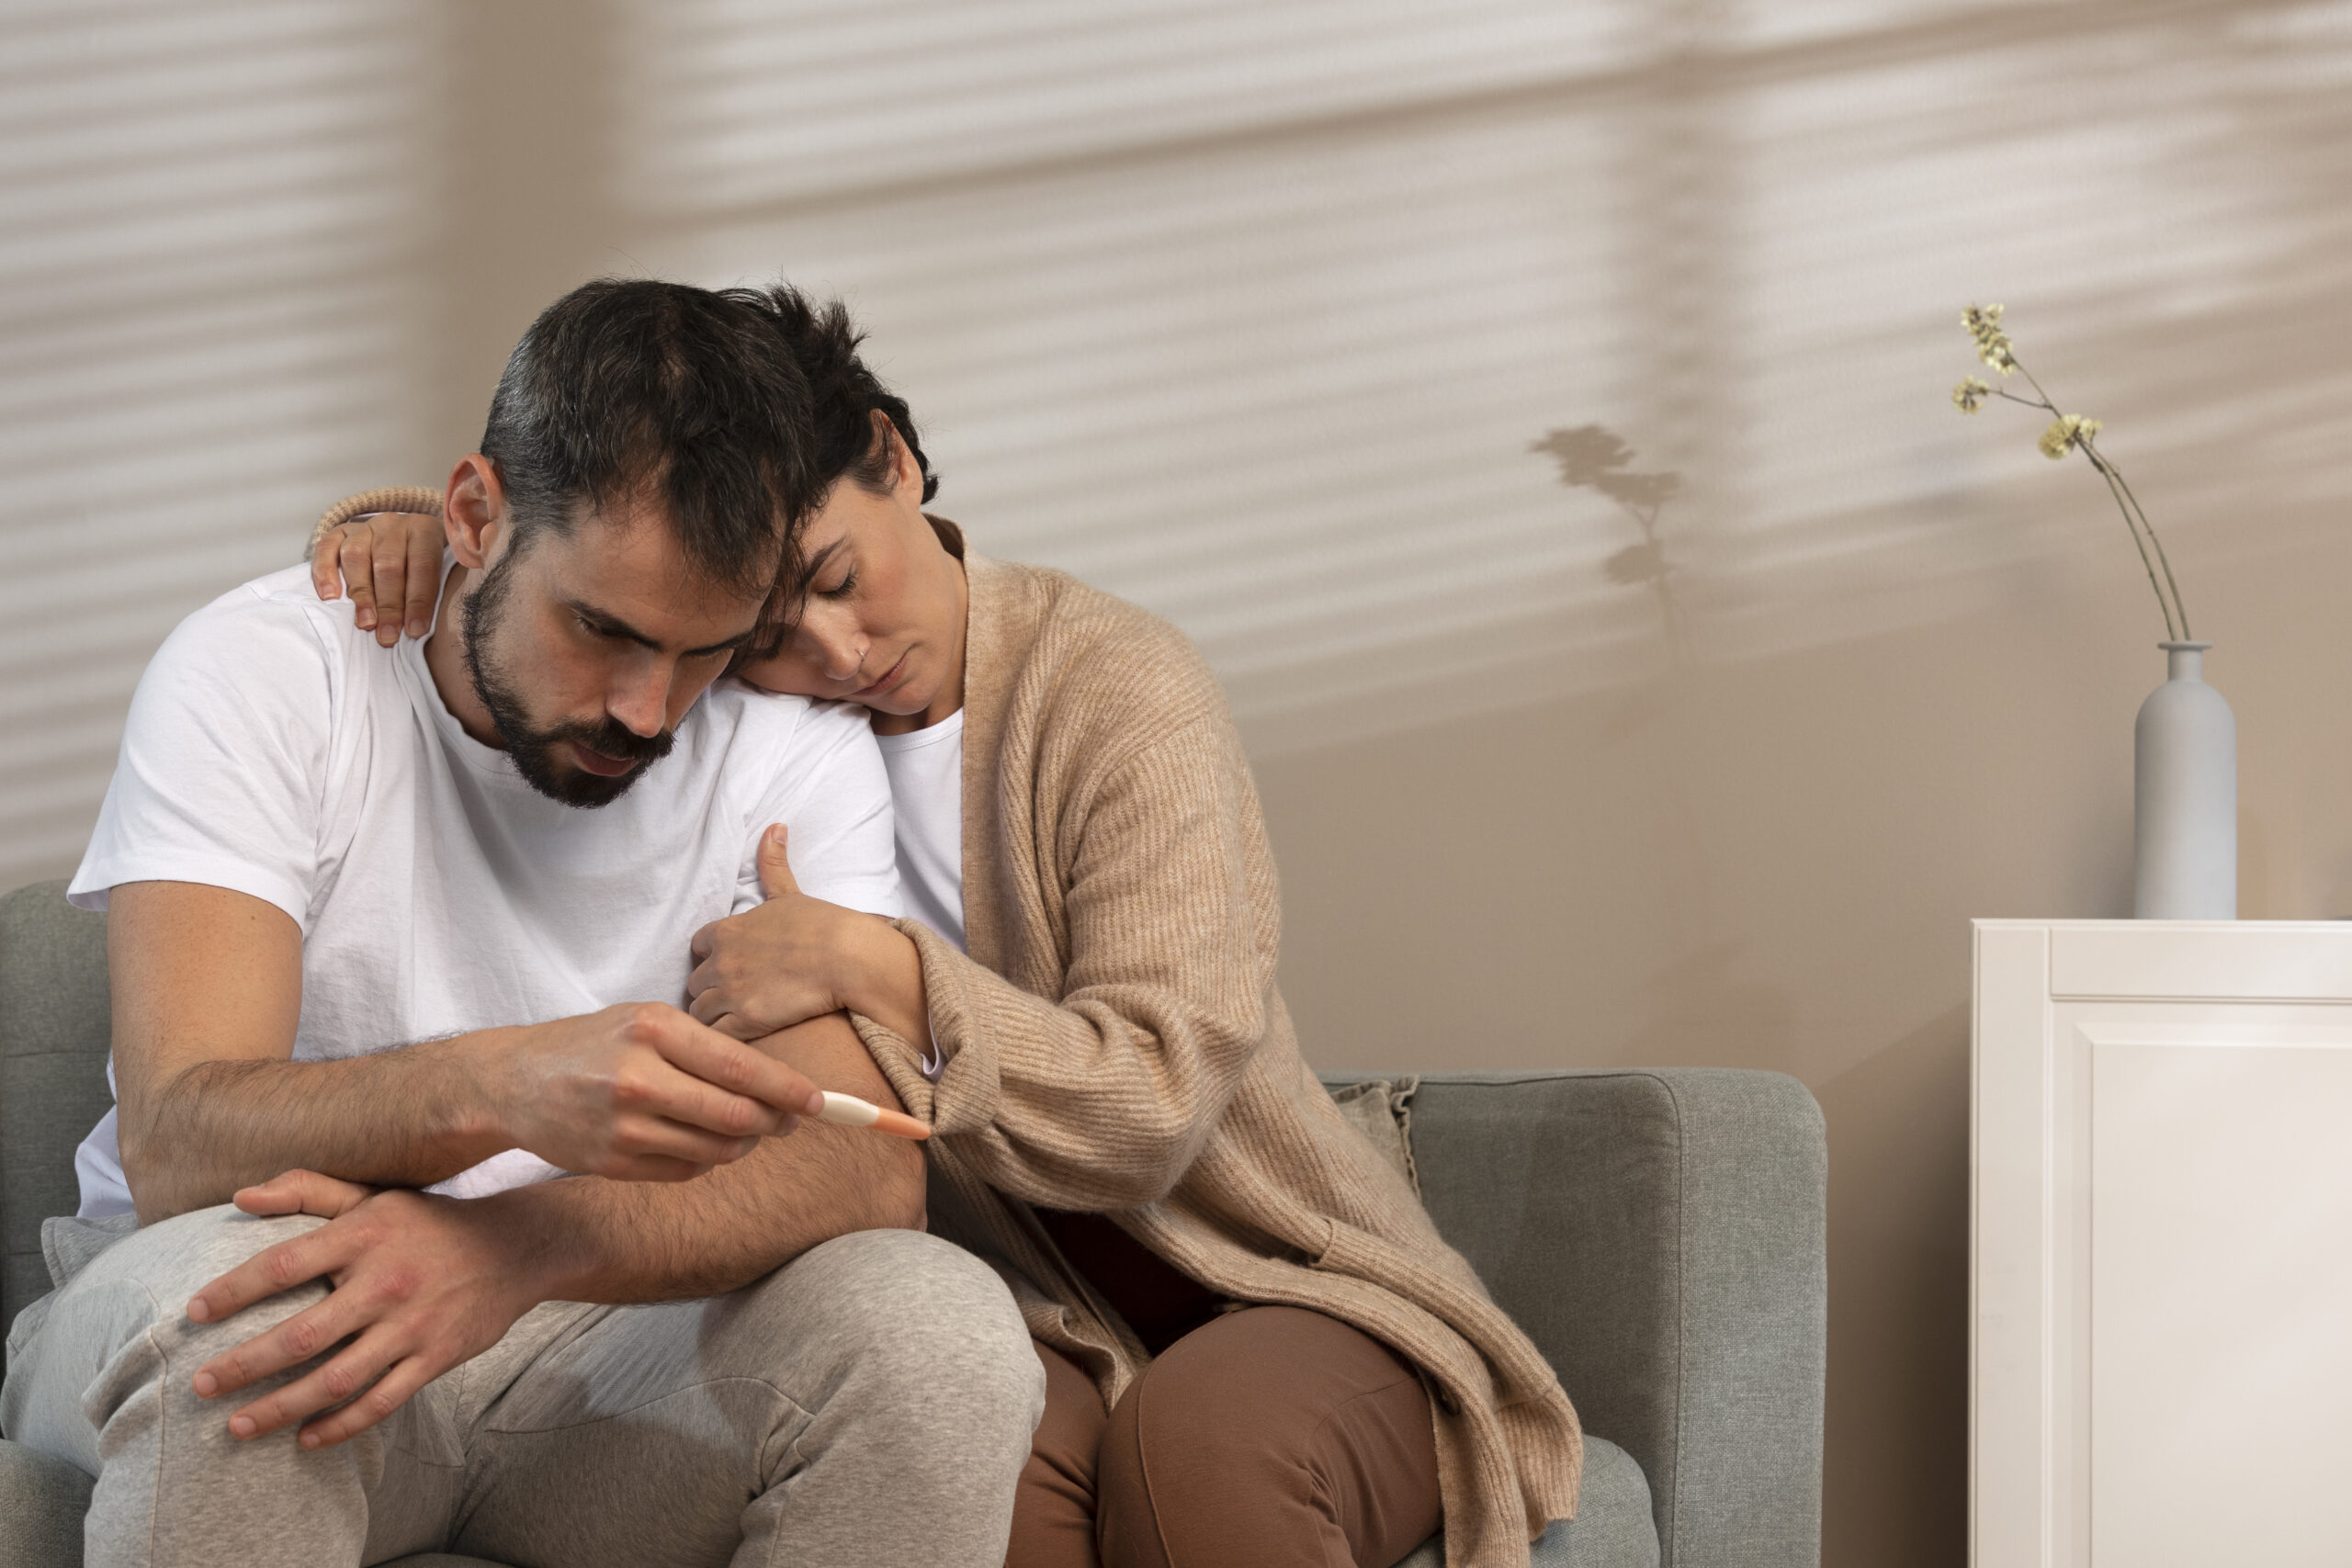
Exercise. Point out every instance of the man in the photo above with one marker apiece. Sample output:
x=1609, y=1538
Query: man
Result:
x=347, y=890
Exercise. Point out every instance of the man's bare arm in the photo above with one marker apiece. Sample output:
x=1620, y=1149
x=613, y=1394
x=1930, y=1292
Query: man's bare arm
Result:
x=621, y=1241
x=423, y=1283
x=208, y=990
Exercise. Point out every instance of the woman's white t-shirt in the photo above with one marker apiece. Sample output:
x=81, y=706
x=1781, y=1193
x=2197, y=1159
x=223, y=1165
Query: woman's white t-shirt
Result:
x=926, y=768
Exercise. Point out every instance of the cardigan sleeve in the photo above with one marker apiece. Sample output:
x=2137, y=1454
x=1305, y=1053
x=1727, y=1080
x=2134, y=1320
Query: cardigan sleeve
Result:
x=1102, y=1101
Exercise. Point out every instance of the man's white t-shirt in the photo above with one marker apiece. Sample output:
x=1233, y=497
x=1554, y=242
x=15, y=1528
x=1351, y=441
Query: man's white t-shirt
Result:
x=273, y=749
x=927, y=800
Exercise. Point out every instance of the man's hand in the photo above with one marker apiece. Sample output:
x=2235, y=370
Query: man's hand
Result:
x=643, y=1241
x=779, y=963
x=419, y=1284
x=638, y=1092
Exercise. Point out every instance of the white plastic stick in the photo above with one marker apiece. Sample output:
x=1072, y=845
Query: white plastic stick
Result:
x=848, y=1111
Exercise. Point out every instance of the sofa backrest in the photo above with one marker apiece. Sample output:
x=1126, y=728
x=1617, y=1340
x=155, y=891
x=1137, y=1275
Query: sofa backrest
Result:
x=54, y=1030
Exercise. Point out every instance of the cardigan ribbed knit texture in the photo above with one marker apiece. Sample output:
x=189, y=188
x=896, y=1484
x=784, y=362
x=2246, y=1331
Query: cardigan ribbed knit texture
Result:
x=390, y=498
x=1114, y=1044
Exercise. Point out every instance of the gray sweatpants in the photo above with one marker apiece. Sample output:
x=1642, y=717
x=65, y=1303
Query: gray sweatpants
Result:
x=870, y=1402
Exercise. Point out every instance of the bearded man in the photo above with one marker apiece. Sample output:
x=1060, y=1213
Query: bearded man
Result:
x=425, y=1221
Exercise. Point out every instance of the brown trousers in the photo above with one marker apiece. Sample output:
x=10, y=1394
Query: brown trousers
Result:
x=1270, y=1436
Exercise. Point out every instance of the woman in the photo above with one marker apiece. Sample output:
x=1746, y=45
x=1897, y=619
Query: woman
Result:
x=1258, y=1350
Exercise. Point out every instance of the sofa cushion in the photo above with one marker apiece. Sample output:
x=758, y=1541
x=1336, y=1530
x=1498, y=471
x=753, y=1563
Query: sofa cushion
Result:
x=1382, y=1109
x=1612, y=1528
x=42, y=1501
x=41, y=1504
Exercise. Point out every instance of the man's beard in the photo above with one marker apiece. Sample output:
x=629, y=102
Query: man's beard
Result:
x=535, y=751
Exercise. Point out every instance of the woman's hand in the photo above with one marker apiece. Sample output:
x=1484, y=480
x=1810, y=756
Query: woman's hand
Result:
x=795, y=958
x=771, y=967
x=391, y=559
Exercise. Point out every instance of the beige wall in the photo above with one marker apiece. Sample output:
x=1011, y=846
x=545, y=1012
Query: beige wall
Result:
x=1772, y=865
x=1252, y=314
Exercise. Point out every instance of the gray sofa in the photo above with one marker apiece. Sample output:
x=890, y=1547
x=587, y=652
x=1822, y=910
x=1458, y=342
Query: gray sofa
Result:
x=1659, y=1232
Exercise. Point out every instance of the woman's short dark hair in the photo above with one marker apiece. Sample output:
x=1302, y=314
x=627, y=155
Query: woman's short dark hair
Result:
x=842, y=440
x=844, y=396
x=628, y=384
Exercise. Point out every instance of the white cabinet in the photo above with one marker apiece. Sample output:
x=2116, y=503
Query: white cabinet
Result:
x=2160, y=1252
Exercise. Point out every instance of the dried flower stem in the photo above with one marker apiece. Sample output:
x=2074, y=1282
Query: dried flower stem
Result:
x=2143, y=537
x=2135, y=520
x=2146, y=527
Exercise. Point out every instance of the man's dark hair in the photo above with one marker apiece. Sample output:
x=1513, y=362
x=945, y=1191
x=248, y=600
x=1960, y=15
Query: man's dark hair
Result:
x=629, y=386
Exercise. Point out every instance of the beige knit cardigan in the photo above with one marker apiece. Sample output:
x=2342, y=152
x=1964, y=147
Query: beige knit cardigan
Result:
x=1114, y=1044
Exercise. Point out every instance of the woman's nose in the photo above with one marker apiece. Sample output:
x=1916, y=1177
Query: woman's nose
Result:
x=840, y=650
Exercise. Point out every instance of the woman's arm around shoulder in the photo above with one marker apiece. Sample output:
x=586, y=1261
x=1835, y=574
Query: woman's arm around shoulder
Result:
x=388, y=562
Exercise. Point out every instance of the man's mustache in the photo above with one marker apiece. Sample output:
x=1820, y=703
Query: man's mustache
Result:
x=612, y=739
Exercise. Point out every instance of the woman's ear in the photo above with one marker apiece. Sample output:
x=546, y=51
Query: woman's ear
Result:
x=474, y=510
x=904, y=469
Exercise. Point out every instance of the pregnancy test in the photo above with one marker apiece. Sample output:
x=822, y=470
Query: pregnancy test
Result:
x=848, y=1111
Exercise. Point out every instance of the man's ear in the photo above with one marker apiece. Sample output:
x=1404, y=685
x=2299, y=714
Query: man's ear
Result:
x=473, y=510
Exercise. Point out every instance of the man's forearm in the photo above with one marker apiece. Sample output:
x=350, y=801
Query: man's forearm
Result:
x=207, y=985
x=399, y=1118
x=625, y=1241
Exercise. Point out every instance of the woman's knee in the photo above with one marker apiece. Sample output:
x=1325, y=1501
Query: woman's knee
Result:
x=1189, y=1450
x=1270, y=1434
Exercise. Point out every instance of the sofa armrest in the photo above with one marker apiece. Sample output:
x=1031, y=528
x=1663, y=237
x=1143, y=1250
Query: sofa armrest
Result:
x=53, y=1038
x=1661, y=1235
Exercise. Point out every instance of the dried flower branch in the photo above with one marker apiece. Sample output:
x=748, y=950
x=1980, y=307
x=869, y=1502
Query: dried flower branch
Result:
x=2070, y=432
x=1984, y=324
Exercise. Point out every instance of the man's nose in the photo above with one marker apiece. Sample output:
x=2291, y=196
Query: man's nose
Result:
x=641, y=702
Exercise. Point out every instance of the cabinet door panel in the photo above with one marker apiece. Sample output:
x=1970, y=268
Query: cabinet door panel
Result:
x=2221, y=1302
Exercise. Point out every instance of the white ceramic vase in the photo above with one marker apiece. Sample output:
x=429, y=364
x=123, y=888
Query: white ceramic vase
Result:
x=2185, y=797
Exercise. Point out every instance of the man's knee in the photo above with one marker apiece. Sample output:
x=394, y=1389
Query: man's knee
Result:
x=121, y=1323
x=173, y=1258
x=931, y=1332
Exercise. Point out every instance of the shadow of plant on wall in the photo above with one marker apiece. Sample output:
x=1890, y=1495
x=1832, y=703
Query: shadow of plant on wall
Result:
x=1700, y=996
x=1592, y=457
